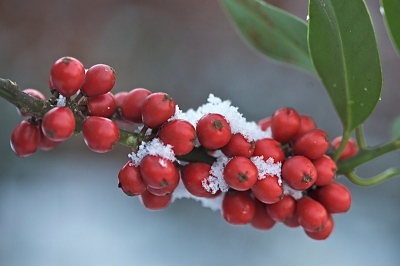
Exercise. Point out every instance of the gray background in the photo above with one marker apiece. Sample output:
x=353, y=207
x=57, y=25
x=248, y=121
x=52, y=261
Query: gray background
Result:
x=63, y=207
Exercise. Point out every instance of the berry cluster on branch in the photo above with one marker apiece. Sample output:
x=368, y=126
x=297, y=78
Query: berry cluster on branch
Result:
x=276, y=170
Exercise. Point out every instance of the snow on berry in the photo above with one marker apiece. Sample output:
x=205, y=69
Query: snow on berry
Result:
x=154, y=147
x=250, y=130
x=296, y=194
x=267, y=167
x=61, y=101
x=216, y=180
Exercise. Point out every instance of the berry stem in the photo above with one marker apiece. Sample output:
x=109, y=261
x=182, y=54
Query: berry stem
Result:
x=385, y=175
x=26, y=103
x=360, y=138
x=367, y=154
x=345, y=138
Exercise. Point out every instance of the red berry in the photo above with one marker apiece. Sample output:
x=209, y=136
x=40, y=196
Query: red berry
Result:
x=67, y=75
x=349, y=151
x=312, y=215
x=159, y=172
x=238, y=207
x=268, y=190
x=100, y=134
x=238, y=145
x=213, y=131
x=161, y=191
x=240, y=173
x=25, y=139
x=312, y=144
x=261, y=219
x=323, y=233
x=58, y=124
x=335, y=197
x=102, y=105
x=156, y=109
x=131, y=107
x=326, y=170
x=282, y=210
x=292, y=222
x=264, y=123
x=154, y=202
x=193, y=175
x=269, y=148
x=306, y=124
x=34, y=93
x=46, y=144
x=299, y=172
x=130, y=180
x=100, y=79
x=180, y=134
x=285, y=123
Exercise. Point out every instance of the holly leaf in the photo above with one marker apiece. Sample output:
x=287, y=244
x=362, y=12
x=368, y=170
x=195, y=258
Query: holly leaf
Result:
x=271, y=31
x=391, y=12
x=344, y=50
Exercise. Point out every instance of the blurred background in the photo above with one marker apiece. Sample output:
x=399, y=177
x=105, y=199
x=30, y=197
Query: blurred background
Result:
x=63, y=207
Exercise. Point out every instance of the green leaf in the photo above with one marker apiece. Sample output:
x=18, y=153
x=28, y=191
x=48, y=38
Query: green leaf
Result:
x=391, y=13
x=344, y=50
x=272, y=31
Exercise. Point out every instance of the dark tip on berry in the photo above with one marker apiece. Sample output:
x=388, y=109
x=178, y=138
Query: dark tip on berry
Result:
x=253, y=144
x=307, y=178
x=218, y=124
x=66, y=60
x=119, y=184
x=164, y=183
x=242, y=177
x=167, y=97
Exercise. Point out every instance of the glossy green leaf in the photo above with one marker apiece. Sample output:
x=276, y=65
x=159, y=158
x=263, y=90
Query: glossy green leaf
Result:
x=344, y=50
x=391, y=12
x=272, y=31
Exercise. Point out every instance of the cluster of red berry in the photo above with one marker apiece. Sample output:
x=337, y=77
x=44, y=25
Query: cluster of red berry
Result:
x=276, y=170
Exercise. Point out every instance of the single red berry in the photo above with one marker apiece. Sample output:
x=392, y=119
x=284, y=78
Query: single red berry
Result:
x=299, y=172
x=34, y=93
x=268, y=190
x=285, y=123
x=130, y=180
x=312, y=215
x=238, y=145
x=24, y=139
x=156, y=109
x=46, y=144
x=154, y=202
x=67, y=76
x=335, y=197
x=264, y=123
x=326, y=170
x=312, y=144
x=323, y=233
x=282, y=210
x=261, y=220
x=159, y=172
x=269, y=148
x=193, y=174
x=240, y=173
x=213, y=131
x=306, y=124
x=102, y=105
x=161, y=191
x=58, y=124
x=100, y=134
x=349, y=151
x=180, y=134
x=131, y=107
x=100, y=79
x=238, y=207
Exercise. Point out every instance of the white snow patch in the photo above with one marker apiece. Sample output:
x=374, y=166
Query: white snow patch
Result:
x=296, y=194
x=61, y=101
x=267, y=167
x=178, y=114
x=154, y=147
x=162, y=162
x=216, y=180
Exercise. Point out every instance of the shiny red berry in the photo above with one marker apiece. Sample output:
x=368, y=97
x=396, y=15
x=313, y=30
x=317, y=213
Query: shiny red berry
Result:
x=213, y=131
x=180, y=134
x=193, y=175
x=238, y=145
x=268, y=190
x=100, y=134
x=299, y=172
x=269, y=148
x=285, y=123
x=58, y=124
x=131, y=107
x=261, y=220
x=159, y=172
x=102, y=105
x=25, y=139
x=282, y=210
x=156, y=109
x=240, y=173
x=335, y=197
x=349, y=151
x=312, y=215
x=326, y=170
x=100, y=79
x=312, y=144
x=306, y=124
x=238, y=207
x=154, y=202
x=67, y=75
x=130, y=180
x=324, y=233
